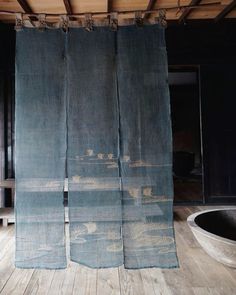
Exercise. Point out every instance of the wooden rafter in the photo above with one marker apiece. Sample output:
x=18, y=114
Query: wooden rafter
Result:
x=25, y=6
x=109, y=6
x=150, y=6
x=200, y=6
x=225, y=11
x=27, y=9
x=187, y=10
x=68, y=6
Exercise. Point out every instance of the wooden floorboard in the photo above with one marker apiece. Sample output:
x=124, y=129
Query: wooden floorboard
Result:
x=198, y=274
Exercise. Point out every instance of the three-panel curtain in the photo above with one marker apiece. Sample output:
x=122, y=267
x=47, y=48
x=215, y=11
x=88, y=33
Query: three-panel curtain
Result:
x=94, y=107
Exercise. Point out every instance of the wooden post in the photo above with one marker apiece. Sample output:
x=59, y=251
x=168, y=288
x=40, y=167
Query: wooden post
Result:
x=5, y=222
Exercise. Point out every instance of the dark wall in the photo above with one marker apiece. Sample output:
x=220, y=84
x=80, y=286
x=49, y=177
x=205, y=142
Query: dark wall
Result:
x=7, y=48
x=7, y=72
x=213, y=48
x=201, y=44
x=219, y=130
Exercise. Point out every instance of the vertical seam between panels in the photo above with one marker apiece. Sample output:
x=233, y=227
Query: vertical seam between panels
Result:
x=119, y=141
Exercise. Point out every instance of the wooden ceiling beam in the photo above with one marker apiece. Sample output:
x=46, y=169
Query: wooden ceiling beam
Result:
x=187, y=11
x=225, y=11
x=109, y=6
x=27, y=9
x=150, y=6
x=25, y=6
x=68, y=6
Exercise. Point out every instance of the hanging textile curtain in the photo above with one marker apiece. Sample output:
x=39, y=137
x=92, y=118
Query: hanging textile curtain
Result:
x=115, y=134
x=146, y=148
x=120, y=149
x=93, y=149
x=40, y=149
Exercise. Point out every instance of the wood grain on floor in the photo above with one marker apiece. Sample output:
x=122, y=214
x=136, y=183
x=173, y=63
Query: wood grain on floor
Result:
x=198, y=273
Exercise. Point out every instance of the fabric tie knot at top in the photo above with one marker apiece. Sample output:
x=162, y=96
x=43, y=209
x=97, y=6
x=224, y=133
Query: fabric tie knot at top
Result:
x=162, y=18
x=88, y=22
x=64, y=23
x=19, y=22
x=138, y=19
x=42, y=22
x=113, y=21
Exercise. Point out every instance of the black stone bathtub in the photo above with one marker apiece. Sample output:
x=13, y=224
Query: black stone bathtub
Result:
x=215, y=230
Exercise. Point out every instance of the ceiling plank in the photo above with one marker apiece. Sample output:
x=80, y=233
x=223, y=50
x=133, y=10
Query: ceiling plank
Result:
x=187, y=11
x=27, y=9
x=225, y=11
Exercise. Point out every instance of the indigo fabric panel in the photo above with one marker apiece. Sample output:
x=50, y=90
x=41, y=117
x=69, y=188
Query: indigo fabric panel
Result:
x=93, y=149
x=146, y=148
x=40, y=149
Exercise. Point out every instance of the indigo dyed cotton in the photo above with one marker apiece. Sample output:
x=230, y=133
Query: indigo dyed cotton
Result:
x=95, y=210
x=120, y=148
x=96, y=105
x=146, y=148
x=40, y=149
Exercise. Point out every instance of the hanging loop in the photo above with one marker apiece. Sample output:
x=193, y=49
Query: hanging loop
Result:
x=138, y=19
x=42, y=22
x=19, y=22
x=113, y=21
x=88, y=22
x=162, y=18
x=64, y=23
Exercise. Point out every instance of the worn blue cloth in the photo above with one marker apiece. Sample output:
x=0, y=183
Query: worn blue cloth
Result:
x=40, y=149
x=95, y=210
x=146, y=148
x=97, y=105
x=120, y=148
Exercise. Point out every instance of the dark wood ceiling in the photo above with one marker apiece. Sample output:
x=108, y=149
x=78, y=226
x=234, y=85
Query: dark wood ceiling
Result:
x=205, y=9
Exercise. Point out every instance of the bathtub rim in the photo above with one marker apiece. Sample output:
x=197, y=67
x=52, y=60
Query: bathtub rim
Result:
x=195, y=227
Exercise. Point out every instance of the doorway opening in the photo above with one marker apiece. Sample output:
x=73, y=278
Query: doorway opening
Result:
x=186, y=129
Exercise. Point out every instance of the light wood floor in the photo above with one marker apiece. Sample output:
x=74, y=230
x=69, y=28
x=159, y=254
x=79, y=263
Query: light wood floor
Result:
x=198, y=273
